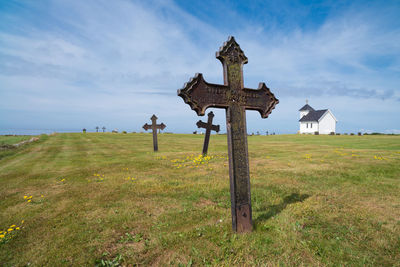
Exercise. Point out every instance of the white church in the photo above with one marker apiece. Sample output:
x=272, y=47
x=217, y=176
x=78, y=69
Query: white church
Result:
x=316, y=121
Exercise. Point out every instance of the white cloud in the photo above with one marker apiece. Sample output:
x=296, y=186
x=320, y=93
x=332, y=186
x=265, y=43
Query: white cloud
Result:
x=125, y=60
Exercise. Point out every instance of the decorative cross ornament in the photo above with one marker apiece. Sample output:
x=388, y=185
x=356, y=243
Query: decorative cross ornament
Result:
x=235, y=99
x=154, y=126
x=209, y=127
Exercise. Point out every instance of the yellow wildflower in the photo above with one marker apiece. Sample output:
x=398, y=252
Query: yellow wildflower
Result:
x=29, y=200
x=22, y=221
x=12, y=226
x=41, y=196
x=10, y=229
x=25, y=197
x=2, y=236
x=29, y=197
x=17, y=228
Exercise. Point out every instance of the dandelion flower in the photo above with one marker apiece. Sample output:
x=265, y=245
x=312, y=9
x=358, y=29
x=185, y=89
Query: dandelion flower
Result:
x=2, y=236
x=29, y=200
x=10, y=229
x=25, y=197
x=12, y=226
x=41, y=196
x=22, y=221
x=17, y=228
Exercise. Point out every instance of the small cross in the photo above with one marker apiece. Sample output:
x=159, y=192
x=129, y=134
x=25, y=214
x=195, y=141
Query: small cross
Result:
x=154, y=126
x=209, y=127
x=235, y=99
x=306, y=101
x=104, y=129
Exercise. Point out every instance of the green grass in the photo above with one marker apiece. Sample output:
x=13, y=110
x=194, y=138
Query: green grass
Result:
x=10, y=140
x=317, y=200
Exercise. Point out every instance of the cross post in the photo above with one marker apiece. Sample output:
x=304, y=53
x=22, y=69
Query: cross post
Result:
x=235, y=99
x=209, y=127
x=154, y=126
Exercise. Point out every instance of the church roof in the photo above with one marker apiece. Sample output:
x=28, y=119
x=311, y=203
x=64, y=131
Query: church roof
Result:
x=306, y=107
x=313, y=115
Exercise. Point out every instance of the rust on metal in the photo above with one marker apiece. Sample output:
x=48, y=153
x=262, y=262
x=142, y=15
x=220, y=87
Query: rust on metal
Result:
x=154, y=126
x=209, y=127
x=235, y=99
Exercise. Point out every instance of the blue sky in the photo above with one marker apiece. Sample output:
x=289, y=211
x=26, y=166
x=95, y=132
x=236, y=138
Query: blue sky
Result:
x=67, y=65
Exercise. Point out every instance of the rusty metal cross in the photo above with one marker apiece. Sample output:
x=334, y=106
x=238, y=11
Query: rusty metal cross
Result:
x=209, y=127
x=235, y=99
x=154, y=126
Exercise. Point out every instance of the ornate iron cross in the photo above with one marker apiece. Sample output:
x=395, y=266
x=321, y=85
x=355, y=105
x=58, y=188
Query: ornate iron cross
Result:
x=209, y=127
x=233, y=97
x=154, y=126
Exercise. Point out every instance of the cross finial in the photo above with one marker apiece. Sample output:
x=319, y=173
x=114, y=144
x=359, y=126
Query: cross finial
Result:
x=230, y=52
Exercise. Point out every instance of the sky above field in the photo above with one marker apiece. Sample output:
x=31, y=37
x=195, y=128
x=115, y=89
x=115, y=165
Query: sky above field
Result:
x=68, y=65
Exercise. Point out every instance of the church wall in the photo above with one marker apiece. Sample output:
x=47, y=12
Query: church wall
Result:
x=327, y=124
x=304, y=129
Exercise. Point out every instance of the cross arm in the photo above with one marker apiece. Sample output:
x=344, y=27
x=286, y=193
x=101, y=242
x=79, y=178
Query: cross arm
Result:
x=161, y=126
x=215, y=128
x=146, y=126
x=261, y=100
x=201, y=124
x=201, y=95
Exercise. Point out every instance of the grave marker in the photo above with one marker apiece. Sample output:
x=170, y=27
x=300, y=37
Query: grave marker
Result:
x=154, y=126
x=209, y=127
x=104, y=129
x=235, y=99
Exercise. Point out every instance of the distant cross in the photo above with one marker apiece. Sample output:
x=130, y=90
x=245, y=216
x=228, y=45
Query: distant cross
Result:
x=209, y=127
x=235, y=99
x=84, y=130
x=97, y=129
x=306, y=101
x=154, y=126
x=104, y=129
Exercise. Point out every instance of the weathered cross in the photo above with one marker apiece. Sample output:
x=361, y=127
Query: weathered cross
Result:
x=232, y=96
x=154, y=126
x=209, y=127
x=104, y=129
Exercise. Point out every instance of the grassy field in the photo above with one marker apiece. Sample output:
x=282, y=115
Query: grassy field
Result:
x=86, y=199
x=10, y=140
